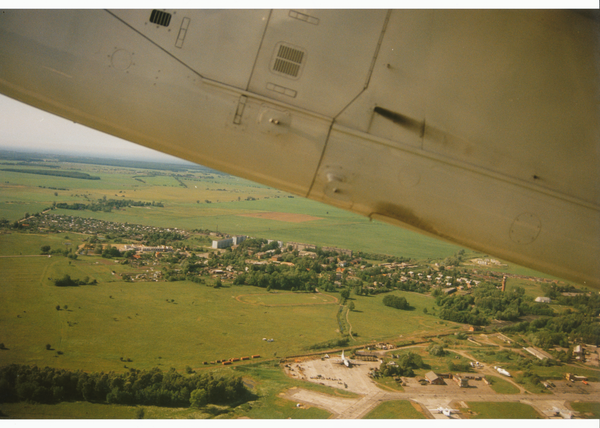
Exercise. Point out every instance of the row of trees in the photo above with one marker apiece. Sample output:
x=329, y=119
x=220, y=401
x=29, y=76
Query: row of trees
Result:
x=287, y=280
x=549, y=329
x=588, y=303
x=486, y=302
x=559, y=330
x=106, y=205
x=67, y=281
x=145, y=387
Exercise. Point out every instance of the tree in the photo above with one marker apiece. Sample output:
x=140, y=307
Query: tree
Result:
x=199, y=398
x=351, y=306
x=395, y=302
x=110, y=252
x=65, y=281
x=436, y=350
x=45, y=249
x=48, y=347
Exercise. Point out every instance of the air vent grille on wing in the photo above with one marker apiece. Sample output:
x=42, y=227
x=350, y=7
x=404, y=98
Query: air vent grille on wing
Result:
x=161, y=18
x=288, y=61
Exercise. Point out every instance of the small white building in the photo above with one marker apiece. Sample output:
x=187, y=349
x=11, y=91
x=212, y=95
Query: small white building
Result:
x=543, y=299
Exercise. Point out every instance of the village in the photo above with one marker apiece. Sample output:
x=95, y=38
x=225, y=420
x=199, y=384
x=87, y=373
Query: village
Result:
x=214, y=259
x=208, y=255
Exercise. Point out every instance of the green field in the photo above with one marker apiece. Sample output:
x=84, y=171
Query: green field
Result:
x=502, y=410
x=395, y=410
x=287, y=299
x=139, y=321
x=168, y=324
x=502, y=386
x=373, y=320
x=587, y=409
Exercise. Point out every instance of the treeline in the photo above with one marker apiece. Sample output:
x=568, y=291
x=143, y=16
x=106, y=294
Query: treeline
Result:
x=583, y=302
x=107, y=205
x=135, y=387
x=546, y=332
x=47, y=250
x=329, y=344
x=487, y=302
x=162, y=237
x=68, y=174
x=275, y=280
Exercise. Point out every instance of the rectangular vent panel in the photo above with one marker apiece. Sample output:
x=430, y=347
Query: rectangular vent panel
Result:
x=286, y=67
x=160, y=18
x=288, y=61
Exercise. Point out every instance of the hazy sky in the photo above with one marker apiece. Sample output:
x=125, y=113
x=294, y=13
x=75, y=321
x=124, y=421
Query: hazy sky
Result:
x=25, y=127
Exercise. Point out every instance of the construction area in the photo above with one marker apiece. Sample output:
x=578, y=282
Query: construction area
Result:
x=332, y=372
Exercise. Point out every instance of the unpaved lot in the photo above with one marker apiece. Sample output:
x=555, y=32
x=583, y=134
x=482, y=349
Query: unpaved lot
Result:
x=331, y=373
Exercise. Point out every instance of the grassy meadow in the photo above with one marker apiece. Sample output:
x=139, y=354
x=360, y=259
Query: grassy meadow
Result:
x=151, y=323
x=373, y=320
x=169, y=324
x=502, y=410
x=588, y=409
x=502, y=386
x=395, y=410
x=187, y=206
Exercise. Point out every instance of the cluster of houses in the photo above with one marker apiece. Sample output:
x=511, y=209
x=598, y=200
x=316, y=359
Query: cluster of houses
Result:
x=67, y=223
x=147, y=249
x=462, y=381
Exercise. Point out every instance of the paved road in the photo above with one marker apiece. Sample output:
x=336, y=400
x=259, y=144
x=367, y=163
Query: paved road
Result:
x=353, y=408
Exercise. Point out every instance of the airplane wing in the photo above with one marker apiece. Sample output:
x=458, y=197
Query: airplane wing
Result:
x=479, y=127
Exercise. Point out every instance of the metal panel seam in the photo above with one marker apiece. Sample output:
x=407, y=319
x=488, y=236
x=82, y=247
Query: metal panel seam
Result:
x=468, y=167
x=258, y=50
x=376, y=54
